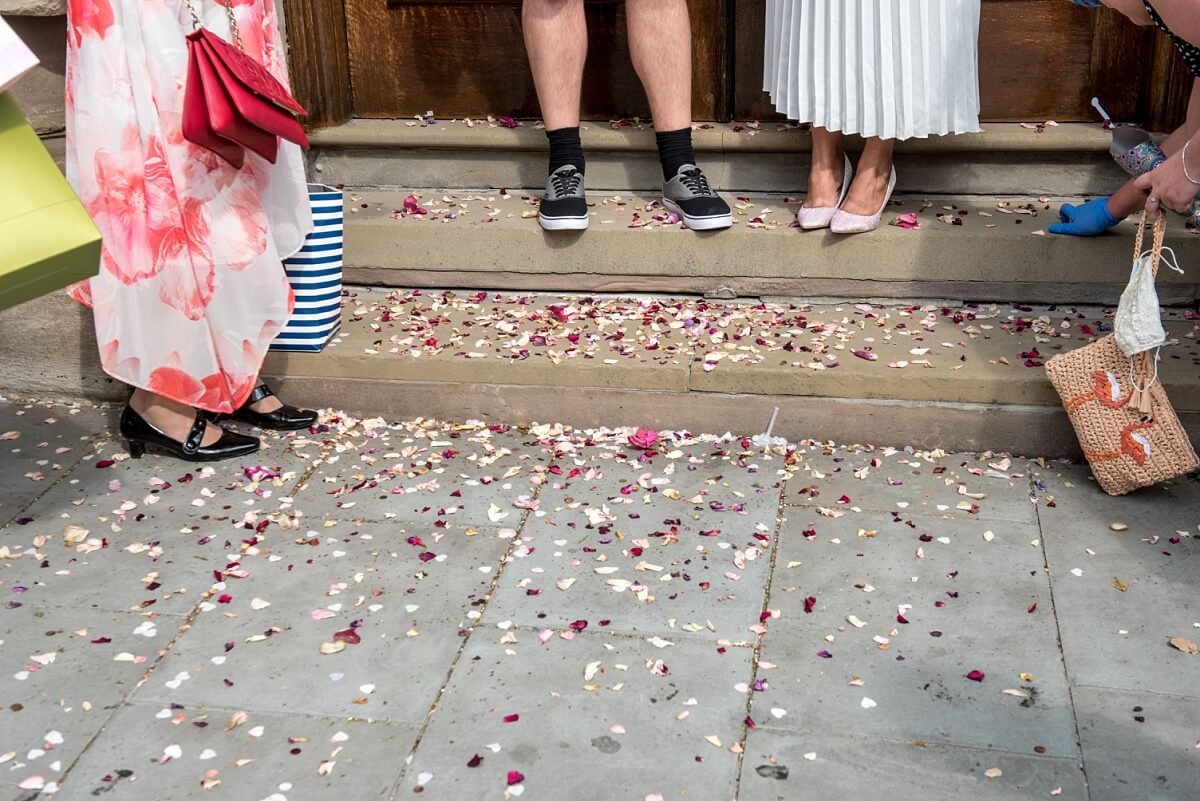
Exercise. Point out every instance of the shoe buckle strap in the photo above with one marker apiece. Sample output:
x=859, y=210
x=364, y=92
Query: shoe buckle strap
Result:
x=195, y=437
x=260, y=392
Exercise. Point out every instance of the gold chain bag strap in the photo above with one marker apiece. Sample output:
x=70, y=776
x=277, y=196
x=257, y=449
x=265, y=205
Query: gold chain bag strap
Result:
x=1128, y=430
x=232, y=103
x=197, y=24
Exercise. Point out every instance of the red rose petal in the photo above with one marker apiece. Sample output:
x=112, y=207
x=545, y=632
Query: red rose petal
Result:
x=348, y=636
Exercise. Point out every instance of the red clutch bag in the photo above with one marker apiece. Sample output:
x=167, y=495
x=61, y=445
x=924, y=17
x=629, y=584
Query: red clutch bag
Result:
x=231, y=102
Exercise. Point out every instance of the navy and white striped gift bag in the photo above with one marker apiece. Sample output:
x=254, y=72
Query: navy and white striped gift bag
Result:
x=315, y=274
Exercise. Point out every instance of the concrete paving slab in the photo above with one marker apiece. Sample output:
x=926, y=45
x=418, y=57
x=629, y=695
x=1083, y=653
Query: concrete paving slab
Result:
x=1121, y=596
x=782, y=766
x=582, y=736
x=850, y=666
x=405, y=603
x=38, y=445
x=889, y=479
x=618, y=540
x=384, y=601
x=1139, y=745
x=62, y=675
x=190, y=753
x=133, y=534
x=438, y=478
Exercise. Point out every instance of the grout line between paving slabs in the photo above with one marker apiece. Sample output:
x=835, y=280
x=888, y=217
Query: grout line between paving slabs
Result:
x=95, y=441
x=780, y=517
x=925, y=744
x=1087, y=787
x=1157, y=693
x=394, y=791
x=184, y=626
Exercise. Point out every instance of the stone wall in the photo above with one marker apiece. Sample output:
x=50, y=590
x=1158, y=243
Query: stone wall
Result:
x=48, y=350
x=42, y=24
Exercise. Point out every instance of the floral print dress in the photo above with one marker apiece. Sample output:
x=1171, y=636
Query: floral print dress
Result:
x=191, y=291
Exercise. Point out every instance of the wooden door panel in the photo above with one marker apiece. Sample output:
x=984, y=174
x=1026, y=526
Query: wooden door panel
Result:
x=1035, y=61
x=1039, y=60
x=467, y=57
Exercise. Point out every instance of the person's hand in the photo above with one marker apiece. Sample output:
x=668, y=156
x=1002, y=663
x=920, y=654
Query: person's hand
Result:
x=1168, y=186
x=1086, y=219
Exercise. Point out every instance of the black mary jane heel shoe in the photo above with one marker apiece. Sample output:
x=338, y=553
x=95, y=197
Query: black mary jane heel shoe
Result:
x=285, y=418
x=139, y=433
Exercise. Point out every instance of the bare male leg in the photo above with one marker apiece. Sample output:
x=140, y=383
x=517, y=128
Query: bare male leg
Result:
x=660, y=46
x=556, y=41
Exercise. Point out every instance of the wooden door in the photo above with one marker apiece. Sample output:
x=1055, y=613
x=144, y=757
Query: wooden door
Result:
x=467, y=57
x=1039, y=60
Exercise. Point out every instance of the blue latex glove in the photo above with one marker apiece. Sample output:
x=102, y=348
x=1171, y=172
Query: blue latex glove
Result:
x=1086, y=219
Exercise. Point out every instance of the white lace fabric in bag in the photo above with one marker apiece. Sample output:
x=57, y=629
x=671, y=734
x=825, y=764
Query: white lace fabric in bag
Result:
x=1138, y=326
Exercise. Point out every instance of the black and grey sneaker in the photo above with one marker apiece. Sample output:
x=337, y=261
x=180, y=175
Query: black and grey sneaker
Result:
x=564, y=207
x=689, y=195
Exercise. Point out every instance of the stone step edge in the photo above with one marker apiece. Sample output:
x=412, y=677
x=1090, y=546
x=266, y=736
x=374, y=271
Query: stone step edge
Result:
x=964, y=264
x=1065, y=138
x=1022, y=430
x=981, y=367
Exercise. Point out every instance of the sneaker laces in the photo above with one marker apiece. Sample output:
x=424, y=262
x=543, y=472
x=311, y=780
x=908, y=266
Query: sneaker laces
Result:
x=566, y=183
x=695, y=182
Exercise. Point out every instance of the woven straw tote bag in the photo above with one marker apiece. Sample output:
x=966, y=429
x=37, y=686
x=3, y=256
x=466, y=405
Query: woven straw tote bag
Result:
x=1131, y=436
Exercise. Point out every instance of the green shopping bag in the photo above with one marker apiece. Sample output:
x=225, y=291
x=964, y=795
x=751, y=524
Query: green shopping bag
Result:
x=47, y=239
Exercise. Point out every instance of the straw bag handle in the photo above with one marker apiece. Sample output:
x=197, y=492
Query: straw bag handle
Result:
x=1160, y=233
x=233, y=26
x=1145, y=363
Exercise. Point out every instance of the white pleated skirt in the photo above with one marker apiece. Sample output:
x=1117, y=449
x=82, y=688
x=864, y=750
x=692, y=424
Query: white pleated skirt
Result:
x=896, y=69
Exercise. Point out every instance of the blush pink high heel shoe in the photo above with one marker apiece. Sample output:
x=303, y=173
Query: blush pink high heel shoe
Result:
x=846, y=223
x=812, y=219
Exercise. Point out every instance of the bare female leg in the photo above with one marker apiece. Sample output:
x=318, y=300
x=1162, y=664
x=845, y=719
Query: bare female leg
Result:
x=870, y=177
x=825, y=175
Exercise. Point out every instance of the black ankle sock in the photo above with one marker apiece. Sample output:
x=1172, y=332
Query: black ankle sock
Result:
x=674, y=150
x=565, y=148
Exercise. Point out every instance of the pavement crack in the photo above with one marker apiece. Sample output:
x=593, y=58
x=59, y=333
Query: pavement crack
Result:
x=780, y=519
x=1033, y=479
x=505, y=559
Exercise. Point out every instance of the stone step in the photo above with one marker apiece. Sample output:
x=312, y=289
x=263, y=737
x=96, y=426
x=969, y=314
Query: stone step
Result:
x=491, y=241
x=960, y=378
x=653, y=361
x=1007, y=159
